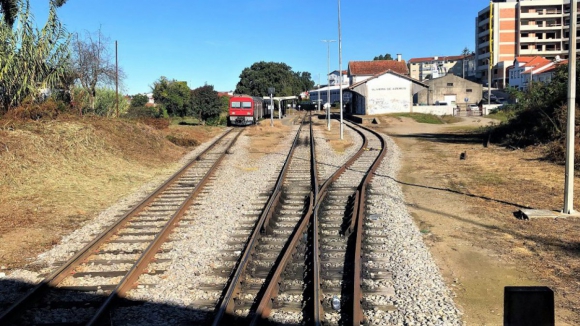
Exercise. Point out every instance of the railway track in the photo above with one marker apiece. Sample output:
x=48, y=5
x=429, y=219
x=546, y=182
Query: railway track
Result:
x=307, y=266
x=88, y=286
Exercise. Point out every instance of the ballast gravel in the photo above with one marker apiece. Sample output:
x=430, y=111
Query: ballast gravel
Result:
x=180, y=296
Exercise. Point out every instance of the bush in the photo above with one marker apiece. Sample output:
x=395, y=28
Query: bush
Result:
x=48, y=109
x=138, y=112
x=217, y=121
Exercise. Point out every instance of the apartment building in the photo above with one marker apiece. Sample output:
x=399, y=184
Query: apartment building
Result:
x=519, y=28
x=438, y=66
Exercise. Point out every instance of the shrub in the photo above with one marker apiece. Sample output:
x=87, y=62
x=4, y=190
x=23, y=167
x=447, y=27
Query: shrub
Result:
x=217, y=121
x=137, y=112
x=48, y=109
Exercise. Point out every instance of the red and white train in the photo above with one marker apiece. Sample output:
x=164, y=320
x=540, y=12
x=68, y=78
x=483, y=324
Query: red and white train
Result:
x=245, y=110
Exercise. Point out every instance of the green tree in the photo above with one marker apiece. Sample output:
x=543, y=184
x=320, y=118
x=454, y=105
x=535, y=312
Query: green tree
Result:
x=383, y=57
x=173, y=95
x=139, y=100
x=540, y=114
x=9, y=9
x=256, y=80
x=31, y=59
x=224, y=103
x=205, y=101
x=92, y=63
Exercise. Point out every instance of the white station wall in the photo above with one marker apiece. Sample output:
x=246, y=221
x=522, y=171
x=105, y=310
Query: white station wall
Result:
x=388, y=94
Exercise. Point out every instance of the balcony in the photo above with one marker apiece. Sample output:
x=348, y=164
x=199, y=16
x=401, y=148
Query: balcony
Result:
x=484, y=33
x=539, y=40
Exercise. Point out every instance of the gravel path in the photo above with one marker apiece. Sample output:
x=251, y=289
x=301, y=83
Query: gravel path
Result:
x=421, y=297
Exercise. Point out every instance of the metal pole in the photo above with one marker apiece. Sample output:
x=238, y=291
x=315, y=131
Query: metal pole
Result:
x=318, y=98
x=117, y=77
x=271, y=110
x=340, y=71
x=570, y=127
x=328, y=82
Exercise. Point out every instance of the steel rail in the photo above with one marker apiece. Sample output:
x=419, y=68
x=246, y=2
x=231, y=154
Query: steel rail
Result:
x=317, y=295
x=67, y=268
x=232, y=290
x=140, y=267
x=359, y=216
x=265, y=305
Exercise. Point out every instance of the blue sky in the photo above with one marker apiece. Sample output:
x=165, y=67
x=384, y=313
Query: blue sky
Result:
x=213, y=41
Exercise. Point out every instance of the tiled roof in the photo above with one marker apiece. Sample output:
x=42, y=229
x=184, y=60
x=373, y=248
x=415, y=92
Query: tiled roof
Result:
x=353, y=86
x=524, y=59
x=377, y=67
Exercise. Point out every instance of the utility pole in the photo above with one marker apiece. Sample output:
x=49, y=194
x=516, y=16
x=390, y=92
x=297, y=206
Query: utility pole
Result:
x=571, y=125
x=340, y=72
x=117, y=77
x=328, y=82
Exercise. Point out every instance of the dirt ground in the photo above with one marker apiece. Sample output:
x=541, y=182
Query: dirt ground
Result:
x=465, y=210
x=58, y=174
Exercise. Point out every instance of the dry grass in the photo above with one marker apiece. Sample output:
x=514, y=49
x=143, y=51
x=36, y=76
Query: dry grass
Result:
x=333, y=136
x=498, y=182
x=265, y=139
x=56, y=174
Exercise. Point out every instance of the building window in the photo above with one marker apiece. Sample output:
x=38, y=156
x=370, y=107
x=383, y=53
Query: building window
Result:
x=469, y=90
x=495, y=71
x=524, y=34
x=450, y=84
x=524, y=47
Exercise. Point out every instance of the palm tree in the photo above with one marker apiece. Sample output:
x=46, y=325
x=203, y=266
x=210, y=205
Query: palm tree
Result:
x=31, y=59
x=9, y=9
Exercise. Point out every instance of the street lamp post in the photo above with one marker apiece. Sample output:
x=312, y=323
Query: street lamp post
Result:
x=340, y=71
x=271, y=90
x=328, y=82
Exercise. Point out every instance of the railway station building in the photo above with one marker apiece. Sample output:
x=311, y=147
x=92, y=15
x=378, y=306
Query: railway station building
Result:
x=386, y=92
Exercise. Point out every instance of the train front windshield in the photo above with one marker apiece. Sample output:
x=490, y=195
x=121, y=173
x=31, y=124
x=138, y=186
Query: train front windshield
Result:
x=241, y=105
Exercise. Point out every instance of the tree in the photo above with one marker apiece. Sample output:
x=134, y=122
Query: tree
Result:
x=9, y=9
x=256, y=80
x=174, y=96
x=139, y=100
x=31, y=59
x=205, y=102
x=224, y=103
x=92, y=63
x=383, y=57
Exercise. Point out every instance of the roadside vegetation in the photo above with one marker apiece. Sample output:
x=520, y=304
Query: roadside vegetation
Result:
x=538, y=118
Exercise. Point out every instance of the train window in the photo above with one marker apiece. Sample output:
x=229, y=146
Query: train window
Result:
x=236, y=104
x=246, y=105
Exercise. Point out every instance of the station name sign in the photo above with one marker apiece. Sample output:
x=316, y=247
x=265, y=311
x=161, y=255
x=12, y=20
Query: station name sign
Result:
x=389, y=89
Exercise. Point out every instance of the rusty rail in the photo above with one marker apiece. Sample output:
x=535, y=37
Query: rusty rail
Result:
x=66, y=269
x=358, y=216
x=130, y=280
x=226, y=306
x=317, y=195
